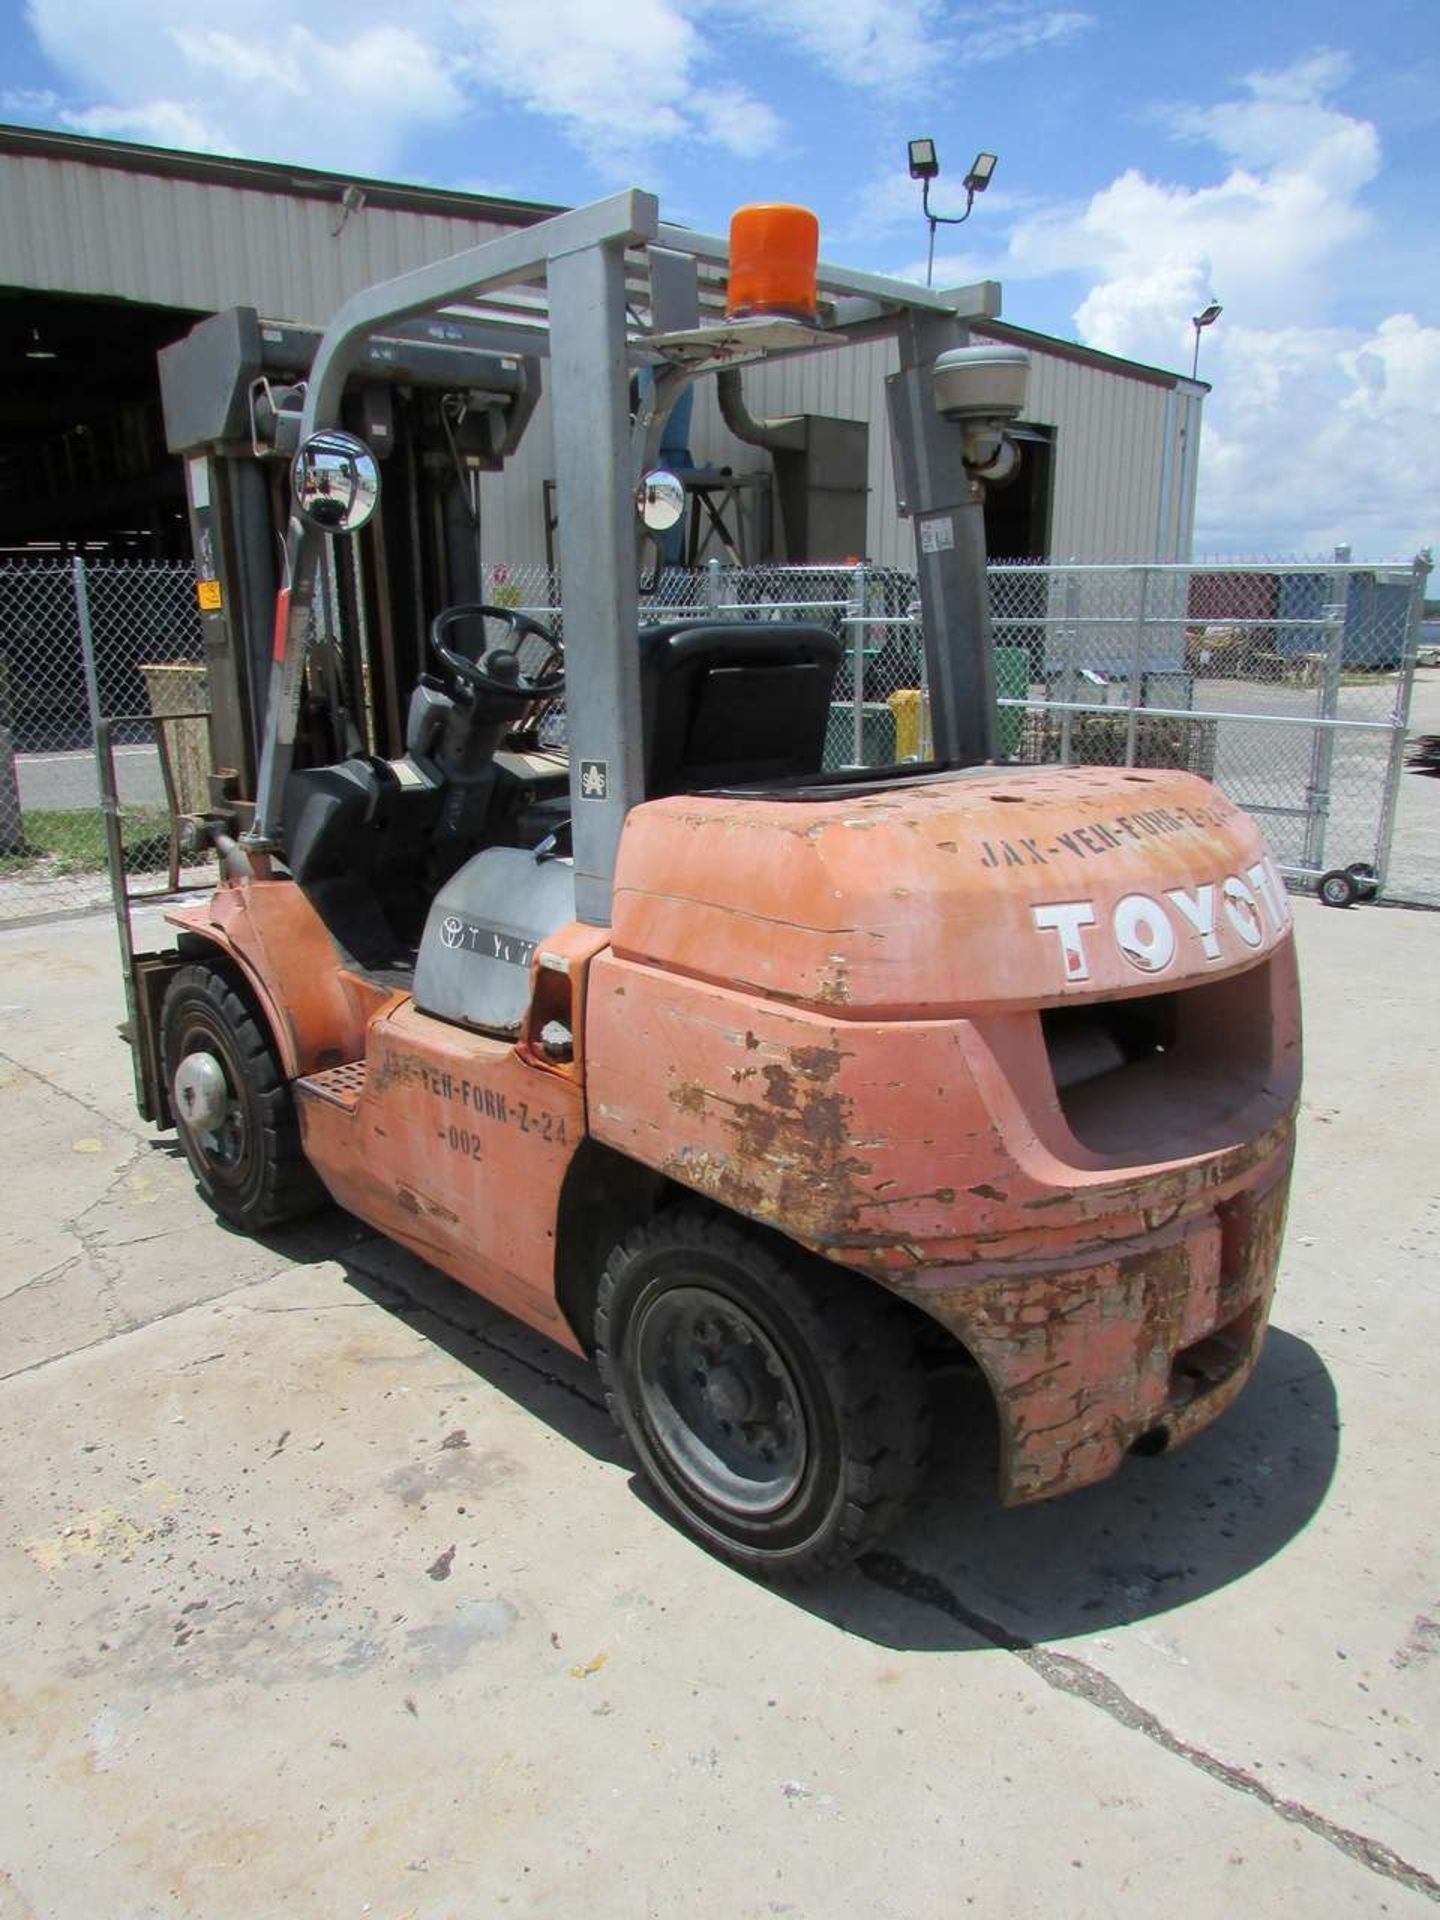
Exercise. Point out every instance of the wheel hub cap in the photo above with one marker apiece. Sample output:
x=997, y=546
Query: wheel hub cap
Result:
x=201, y=1095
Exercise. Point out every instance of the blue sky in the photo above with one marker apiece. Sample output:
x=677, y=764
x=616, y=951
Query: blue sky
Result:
x=1283, y=160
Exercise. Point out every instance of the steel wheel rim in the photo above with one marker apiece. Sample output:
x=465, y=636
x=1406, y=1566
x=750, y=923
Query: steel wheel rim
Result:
x=720, y=1400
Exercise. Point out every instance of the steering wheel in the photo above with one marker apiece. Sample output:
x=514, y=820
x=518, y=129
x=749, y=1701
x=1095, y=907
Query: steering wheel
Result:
x=498, y=668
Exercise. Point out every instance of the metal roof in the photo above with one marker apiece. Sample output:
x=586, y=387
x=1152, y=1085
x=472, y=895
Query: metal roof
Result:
x=264, y=176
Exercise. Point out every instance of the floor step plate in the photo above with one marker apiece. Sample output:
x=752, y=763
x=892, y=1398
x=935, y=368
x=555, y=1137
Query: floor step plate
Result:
x=341, y=1086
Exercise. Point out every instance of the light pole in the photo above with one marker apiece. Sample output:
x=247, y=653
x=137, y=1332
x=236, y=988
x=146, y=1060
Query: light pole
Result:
x=923, y=167
x=1206, y=319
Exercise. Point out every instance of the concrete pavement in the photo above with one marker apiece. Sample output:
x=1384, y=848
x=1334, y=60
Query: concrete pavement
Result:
x=327, y=1591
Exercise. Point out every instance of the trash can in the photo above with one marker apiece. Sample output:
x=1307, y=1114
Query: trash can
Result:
x=1012, y=682
x=911, y=709
x=178, y=691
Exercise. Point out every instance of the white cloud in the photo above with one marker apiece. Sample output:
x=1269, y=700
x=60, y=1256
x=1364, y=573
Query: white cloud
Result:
x=908, y=47
x=30, y=102
x=1002, y=32
x=1312, y=429
x=156, y=123
x=882, y=44
x=258, y=84
x=1315, y=436
x=618, y=78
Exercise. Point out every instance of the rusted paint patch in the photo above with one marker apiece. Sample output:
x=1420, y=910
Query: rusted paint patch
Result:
x=1084, y=1361
x=817, y=1063
x=780, y=1087
x=714, y=1174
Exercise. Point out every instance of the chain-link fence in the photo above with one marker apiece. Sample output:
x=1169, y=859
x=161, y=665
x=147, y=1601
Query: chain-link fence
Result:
x=80, y=642
x=1290, y=685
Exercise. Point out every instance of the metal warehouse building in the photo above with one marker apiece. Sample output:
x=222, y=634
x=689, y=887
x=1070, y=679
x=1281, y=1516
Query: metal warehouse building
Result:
x=110, y=251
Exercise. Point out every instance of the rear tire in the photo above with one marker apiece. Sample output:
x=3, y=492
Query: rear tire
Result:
x=248, y=1162
x=777, y=1405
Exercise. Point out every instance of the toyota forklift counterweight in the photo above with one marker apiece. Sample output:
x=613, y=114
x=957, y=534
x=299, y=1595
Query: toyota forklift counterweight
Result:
x=742, y=1077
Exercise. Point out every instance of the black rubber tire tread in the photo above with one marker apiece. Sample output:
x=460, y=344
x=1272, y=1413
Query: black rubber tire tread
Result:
x=282, y=1185
x=1340, y=883
x=861, y=1344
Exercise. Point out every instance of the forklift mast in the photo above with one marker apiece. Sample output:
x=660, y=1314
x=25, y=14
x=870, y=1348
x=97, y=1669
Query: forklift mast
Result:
x=437, y=409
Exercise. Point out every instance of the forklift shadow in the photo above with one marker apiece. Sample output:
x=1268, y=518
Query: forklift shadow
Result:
x=962, y=1573
x=546, y=1379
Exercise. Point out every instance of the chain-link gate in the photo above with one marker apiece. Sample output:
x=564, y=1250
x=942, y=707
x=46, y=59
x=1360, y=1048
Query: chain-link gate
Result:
x=83, y=644
x=1289, y=685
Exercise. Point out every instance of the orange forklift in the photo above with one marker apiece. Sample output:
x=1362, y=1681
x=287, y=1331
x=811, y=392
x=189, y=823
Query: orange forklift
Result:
x=754, y=1082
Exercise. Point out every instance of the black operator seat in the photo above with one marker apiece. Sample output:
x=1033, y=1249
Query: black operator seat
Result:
x=734, y=703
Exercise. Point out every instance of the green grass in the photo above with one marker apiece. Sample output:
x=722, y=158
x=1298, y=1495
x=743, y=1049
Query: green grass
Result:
x=75, y=841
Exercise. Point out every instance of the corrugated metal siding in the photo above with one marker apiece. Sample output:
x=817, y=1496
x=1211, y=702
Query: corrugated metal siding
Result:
x=1110, y=451
x=69, y=228
x=1109, y=458
x=1110, y=447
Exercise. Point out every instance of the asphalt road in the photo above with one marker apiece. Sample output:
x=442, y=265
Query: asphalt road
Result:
x=327, y=1591
x=68, y=781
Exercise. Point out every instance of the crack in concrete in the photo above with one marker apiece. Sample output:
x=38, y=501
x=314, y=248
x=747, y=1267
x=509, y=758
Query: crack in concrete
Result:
x=45, y=1279
x=136, y=1326
x=1065, y=1674
x=94, y=1246
x=95, y=1113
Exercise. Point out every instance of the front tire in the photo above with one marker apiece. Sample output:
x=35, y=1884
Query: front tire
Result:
x=777, y=1405
x=233, y=1108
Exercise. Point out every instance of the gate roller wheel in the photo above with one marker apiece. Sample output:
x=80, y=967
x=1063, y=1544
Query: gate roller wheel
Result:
x=1339, y=888
x=776, y=1404
x=1367, y=881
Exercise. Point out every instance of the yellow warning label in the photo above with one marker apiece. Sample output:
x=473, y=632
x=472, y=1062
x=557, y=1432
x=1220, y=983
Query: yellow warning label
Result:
x=207, y=592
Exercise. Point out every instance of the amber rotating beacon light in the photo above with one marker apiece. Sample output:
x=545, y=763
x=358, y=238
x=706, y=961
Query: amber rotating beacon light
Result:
x=773, y=251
